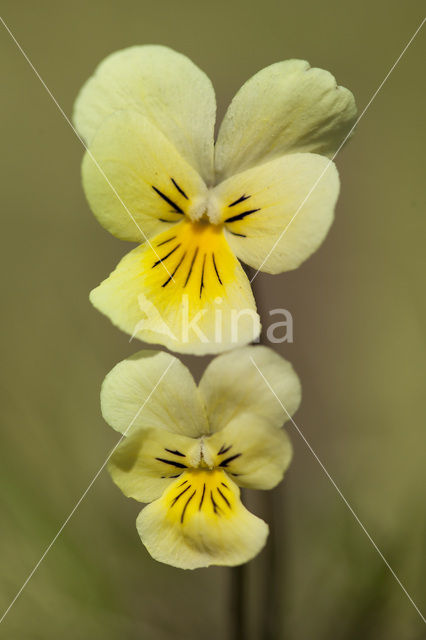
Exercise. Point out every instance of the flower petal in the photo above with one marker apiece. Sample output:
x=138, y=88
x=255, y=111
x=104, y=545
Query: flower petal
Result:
x=162, y=85
x=147, y=461
x=196, y=300
x=200, y=521
x=284, y=211
x=255, y=453
x=152, y=389
x=232, y=386
x=136, y=182
x=286, y=108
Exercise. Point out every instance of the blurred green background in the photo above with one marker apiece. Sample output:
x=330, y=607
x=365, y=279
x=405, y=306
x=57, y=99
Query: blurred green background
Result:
x=359, y=342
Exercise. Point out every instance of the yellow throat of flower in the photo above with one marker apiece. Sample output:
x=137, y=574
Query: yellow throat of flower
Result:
x=193, y=256
x=203, y=491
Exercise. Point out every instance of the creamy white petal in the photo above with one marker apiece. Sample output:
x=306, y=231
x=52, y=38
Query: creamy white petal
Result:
x=200, y=521
x=231, y=385
x=162, y=85
x=255, y=453
x=285, y=108
x=153, y=389
x=136, y=183
x=287, y=210
x=147, y=461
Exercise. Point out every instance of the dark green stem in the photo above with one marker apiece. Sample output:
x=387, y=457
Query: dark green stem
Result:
x=237, y=600
x=273, y=592
x=271, y=584
x=272, y=596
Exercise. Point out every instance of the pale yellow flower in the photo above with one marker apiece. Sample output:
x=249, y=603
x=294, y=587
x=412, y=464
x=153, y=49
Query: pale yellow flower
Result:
x=190, y=448
x=148, y=115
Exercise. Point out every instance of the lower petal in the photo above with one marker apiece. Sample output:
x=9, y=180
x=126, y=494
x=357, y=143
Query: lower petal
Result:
x=200, y=521
x=196, y=299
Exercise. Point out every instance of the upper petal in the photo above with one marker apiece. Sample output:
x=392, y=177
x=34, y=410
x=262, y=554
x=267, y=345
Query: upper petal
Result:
x=136, y=182
x=286, y=212
x=200, y=521
x=188, y=292
x=165, y=87
x=285, y=108
x=232, y=386
x=152, y=389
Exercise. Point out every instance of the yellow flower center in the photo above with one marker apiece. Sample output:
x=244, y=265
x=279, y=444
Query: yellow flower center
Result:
x=209, y=206
x=204, y=456
x=203, y=491
x=192, y=257
x=204, y=205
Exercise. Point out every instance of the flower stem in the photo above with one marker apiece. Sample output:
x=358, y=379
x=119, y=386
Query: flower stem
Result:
x=273, y=596
x=238, y=621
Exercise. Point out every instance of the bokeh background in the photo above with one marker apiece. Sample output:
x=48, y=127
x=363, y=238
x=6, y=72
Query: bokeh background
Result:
x=359, y=341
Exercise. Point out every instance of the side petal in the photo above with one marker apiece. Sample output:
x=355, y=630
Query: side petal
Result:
x=285, y=108
x=152, y=389
x=196, y=299
x=252, y=451
x=135, y=181
x=146, y=462
x=162, y=85
x=285, y=210
x=232, y=386
x=200, y=521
